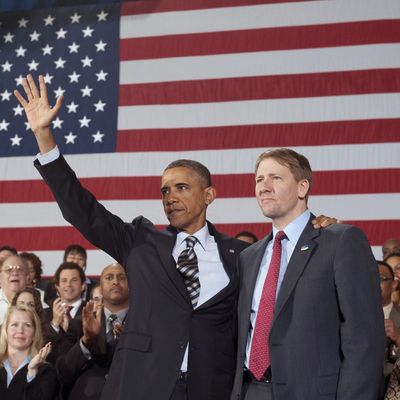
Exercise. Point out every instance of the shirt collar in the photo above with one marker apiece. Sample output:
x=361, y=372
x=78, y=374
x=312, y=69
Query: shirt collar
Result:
x=295, y=228
x=202, y=236
x=121, y=314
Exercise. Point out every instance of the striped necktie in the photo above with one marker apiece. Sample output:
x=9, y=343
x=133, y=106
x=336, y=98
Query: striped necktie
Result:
x=188, y=267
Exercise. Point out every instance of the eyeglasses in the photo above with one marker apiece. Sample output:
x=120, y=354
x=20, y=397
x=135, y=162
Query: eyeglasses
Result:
x=18, y=269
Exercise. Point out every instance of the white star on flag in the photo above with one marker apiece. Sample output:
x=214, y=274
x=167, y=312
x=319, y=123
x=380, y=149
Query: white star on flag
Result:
x=84, y=121
x=15, y=141
x=70, y=138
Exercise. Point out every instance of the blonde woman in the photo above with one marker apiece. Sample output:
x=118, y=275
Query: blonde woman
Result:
x=24, y=372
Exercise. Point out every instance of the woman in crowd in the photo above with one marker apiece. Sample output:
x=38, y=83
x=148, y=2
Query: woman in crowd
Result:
x=34, y=274
x=24, y=372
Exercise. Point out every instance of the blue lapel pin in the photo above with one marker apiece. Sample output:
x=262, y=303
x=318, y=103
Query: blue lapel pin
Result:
x=304, y=247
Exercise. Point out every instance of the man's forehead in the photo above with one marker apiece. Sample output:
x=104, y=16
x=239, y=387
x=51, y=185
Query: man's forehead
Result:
x=173, y=176
x=113, y=269
x=69, y=272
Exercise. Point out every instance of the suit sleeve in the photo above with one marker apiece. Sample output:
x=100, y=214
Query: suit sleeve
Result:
x=362, y=328
x=80, y=208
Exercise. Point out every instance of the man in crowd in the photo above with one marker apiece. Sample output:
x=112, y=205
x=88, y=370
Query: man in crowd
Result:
x=179, y=340
x=310, y=313
x=76, y=254
x=89, y=345
x=69, y=282
x=13, y=278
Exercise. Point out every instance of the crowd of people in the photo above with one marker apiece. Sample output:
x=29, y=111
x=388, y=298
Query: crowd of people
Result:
x=60, y=348
x=296, y=315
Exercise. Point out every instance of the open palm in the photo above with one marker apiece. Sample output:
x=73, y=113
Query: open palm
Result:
x=36, y=105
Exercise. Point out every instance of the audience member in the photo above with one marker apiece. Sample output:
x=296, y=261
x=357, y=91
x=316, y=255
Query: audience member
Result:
x=309, y=315
x=391, y=313
x=96, y=295
x=246, y=236
x=390, y=246
x=34, y=274
x=24, y=373
x=89, y=345
x=393, y=260
x=13, y=278
x=69, y=282
x=76, y=254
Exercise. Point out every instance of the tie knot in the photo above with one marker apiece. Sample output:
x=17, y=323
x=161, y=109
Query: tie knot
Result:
x=191, y=241
x=112, y=318
x=280, y=235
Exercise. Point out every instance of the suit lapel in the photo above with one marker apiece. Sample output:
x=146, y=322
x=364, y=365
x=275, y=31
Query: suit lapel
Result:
x=164, y=244
x=248, y=274
x=298, y=261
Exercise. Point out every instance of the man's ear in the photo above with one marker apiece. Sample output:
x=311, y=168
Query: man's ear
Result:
x=210, y=194
x=303, y=187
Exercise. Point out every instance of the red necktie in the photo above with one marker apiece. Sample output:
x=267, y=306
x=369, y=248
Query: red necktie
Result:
x=259, y=354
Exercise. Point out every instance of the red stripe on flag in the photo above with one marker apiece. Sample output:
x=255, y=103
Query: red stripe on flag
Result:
x=146, y=7
x=250, y=136
x=267, y=39
x=57, y=238
x=148, y=187
x=262, y=87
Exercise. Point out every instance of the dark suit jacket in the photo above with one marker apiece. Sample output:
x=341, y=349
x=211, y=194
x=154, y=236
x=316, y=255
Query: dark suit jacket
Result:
x=161, y=320
x=43, y=387
x=51, y=335
x=327, y=336
x=83, y=379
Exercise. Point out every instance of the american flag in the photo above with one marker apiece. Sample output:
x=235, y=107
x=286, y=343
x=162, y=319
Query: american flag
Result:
x=218, y=81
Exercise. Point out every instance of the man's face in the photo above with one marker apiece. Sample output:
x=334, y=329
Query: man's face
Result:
x=77, y=258
x=278, y=193
x=184, y=199
x=70, y=286
x=390, y=246
x=114, y=285
x=388, y=284
x=13, y=275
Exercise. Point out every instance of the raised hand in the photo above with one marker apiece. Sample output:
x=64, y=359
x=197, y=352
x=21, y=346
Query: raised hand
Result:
x=39, y=359
x=38, y=111
x=91, y=321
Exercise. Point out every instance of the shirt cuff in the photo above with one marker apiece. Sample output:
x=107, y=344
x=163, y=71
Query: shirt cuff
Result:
x=48, y=157
x=30, y=378
x=85, y=350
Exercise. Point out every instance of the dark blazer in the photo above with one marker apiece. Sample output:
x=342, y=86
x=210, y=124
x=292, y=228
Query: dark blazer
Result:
x=51, y=335
x=161, y=320
x=43, y=387
x=83, y=379
x=327, y=337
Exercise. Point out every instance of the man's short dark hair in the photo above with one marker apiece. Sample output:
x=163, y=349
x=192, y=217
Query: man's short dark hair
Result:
x=387, y=266
x=68, y=265
x=201, y=170
x=75, y=248
x=247, y=234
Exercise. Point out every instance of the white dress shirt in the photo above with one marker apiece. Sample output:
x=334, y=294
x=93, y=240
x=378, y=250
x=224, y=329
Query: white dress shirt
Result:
x=293, y=232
